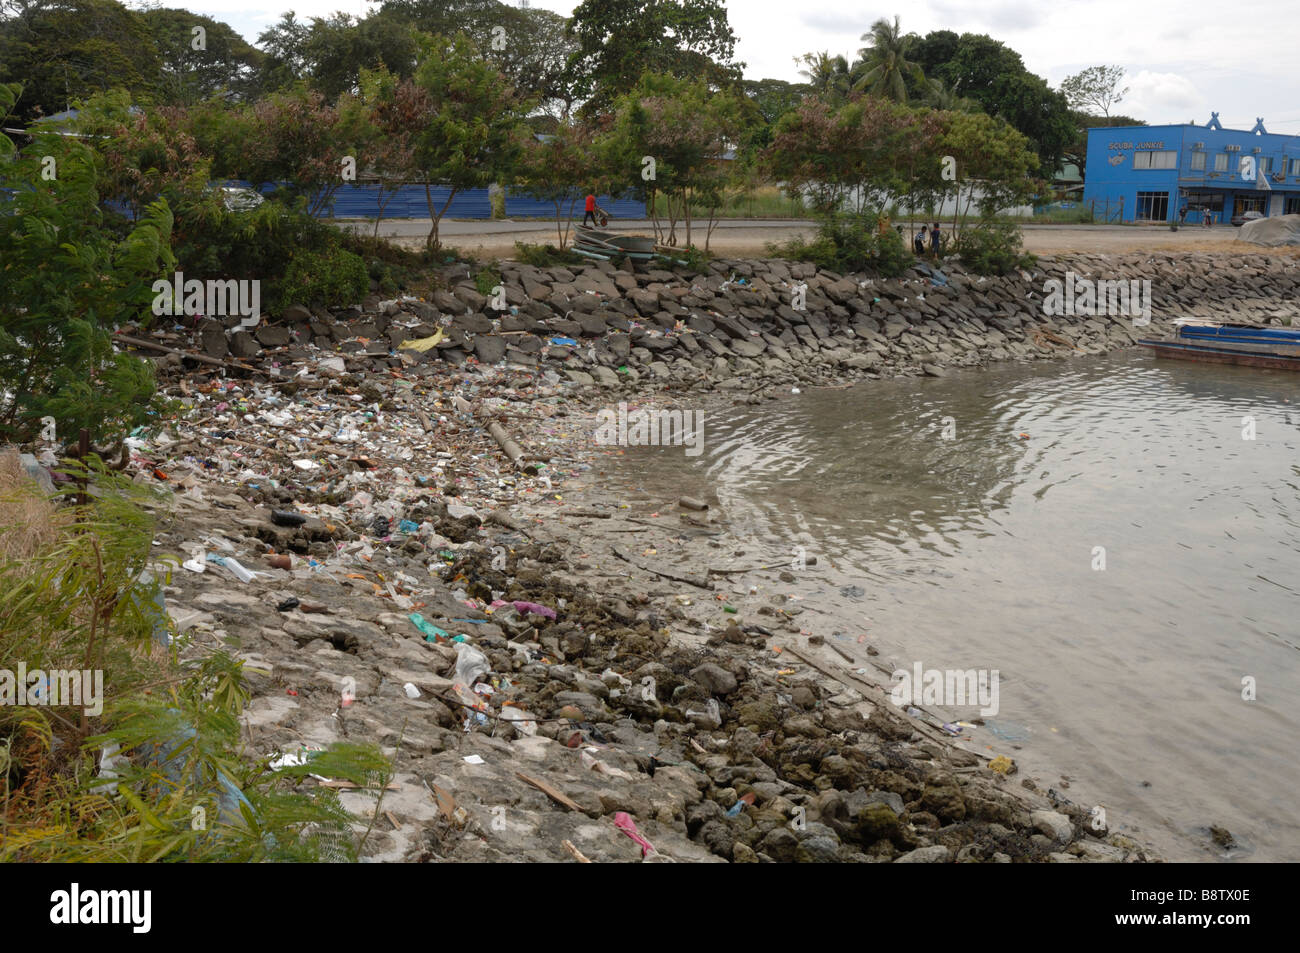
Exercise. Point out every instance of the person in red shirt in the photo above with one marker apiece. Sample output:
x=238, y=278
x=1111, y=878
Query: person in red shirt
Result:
x=594, y=212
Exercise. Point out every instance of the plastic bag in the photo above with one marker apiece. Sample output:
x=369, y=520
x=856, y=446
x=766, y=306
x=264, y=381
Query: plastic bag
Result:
x=471, y=664
x=522, y=721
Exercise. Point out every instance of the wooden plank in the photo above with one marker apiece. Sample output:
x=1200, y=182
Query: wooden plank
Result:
x=559, y=797
x=574, y=852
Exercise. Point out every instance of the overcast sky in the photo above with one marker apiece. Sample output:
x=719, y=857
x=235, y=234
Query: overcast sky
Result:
x=1184, y=58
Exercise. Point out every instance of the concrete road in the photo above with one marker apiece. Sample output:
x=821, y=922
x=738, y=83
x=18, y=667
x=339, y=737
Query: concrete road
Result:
x=750, y=237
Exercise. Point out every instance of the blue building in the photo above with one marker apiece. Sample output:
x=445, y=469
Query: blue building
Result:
x=1151, y=173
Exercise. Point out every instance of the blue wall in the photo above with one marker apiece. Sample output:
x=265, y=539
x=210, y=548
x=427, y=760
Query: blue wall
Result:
x=1111, y=176
x=362, y=201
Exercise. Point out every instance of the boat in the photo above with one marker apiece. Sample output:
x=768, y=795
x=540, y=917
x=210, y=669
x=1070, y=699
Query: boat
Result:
x=603, y=245
x=1248, y=345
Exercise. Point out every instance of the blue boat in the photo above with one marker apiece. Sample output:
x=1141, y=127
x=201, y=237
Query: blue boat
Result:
x=1247, y=345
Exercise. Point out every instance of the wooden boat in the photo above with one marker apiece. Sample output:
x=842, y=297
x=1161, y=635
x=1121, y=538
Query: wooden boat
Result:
x=1247, y=345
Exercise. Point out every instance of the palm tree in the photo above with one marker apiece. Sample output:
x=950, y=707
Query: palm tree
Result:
x=886, y=63
x=942, y=96
x=826, y=74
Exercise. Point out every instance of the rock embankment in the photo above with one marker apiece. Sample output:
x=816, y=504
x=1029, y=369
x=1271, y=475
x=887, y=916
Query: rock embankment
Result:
x=737, y=328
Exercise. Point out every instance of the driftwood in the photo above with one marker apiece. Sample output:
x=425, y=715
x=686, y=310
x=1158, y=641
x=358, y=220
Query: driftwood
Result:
x=559, y=797
x=677, y=577
x=201, y=358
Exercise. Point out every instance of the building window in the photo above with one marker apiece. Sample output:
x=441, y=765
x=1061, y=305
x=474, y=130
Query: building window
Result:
x=1198, y=161
x=1155, y=160
x=1266, y=164
x=1293, y=205
x=1295, y=166
x=1221, y=162
x=1152, y=206
x=1210, y=200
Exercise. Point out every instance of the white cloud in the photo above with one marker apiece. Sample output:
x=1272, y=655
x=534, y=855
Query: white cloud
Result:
x=1163, y=97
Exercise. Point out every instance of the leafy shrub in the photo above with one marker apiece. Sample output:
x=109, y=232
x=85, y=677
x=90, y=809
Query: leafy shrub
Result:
x=545, y=256
x=691, y=258
x=393, y=267
x=990, y=248
x=66, y=283
x=487, y=279
x=331, y=277
x=851, y=243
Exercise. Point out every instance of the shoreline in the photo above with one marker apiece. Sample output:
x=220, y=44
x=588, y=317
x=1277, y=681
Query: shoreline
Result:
x=809, y=738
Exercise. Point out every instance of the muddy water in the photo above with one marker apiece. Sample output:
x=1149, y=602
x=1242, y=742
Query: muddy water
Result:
x=1098, y=531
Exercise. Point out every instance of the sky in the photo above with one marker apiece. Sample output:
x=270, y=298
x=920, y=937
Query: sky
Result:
x=1183, y=58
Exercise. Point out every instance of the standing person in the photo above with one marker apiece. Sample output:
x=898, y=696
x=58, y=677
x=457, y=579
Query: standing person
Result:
x=1207, y=217
x=918, y=243
x=936, y=239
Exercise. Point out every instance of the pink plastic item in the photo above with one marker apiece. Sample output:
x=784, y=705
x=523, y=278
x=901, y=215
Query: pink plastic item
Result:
x=623, y=821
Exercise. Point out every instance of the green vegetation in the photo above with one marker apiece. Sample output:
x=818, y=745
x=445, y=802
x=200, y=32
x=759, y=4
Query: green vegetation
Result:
x=992, y=248
x=153, y=768
x=332, y=277
x=545, y=256
x=65, y=284
x=851, y=243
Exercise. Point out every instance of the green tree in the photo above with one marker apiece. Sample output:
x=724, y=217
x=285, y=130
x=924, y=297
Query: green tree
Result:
x=66, y=283
x=685, y=129
x=886, y=63
x=934, y=50
x=828, y=76
x=223, y=65
x=304, y=144
x=144, y=155
x=529, y=45
x=285, y=47
x=397, y=111
x=939, y=95
x=559, y=167
x=848, y=155
x=994, y=75
x=620, y=40
x=66, y=50
x=476, y=129
x=1097, y=87
x=338, y=47
x=995, y=164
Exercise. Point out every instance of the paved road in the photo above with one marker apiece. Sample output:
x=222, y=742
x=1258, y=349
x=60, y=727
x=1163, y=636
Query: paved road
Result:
x=419, y=227
x=413, y=227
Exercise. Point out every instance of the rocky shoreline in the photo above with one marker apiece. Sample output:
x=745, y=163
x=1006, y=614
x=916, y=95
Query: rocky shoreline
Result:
x=616, y=694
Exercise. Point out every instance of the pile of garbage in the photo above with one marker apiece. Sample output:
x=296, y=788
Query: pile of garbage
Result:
x=421, y=557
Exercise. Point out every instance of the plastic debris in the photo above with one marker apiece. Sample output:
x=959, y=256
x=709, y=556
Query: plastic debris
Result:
x=623, y=821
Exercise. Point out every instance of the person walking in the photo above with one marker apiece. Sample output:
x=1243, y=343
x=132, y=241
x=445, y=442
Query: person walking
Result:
x=594, y=212
x=936, y=240
x=1207, y=217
